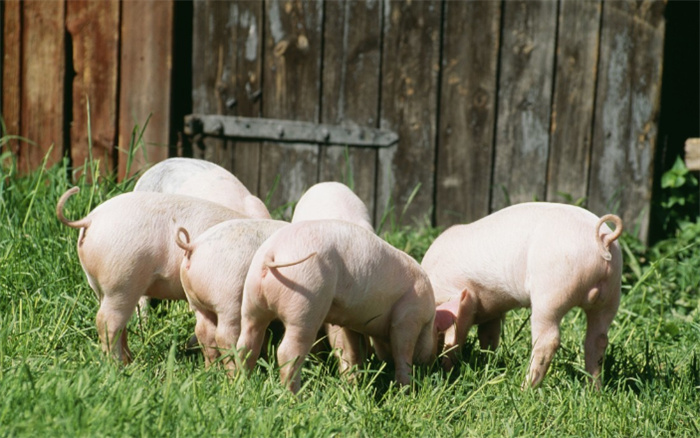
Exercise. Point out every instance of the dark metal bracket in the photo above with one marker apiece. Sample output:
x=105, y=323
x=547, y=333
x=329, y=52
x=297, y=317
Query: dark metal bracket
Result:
x=287, y=131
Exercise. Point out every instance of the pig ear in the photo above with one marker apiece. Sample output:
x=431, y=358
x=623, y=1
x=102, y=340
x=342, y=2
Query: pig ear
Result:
x=446, y=314
x=443, y=319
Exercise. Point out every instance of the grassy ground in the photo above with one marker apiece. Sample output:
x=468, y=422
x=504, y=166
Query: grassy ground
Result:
x=54, y=381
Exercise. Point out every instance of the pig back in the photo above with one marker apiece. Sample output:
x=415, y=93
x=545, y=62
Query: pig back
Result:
x=201, y=179
x=497, y=253
x=132, y=235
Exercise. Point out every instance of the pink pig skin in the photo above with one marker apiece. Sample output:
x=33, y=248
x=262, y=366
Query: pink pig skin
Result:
x=213, y=272
x=201, y=179
x=333, y=271
x=551, y=257
x=334, y=200
x=127, y=250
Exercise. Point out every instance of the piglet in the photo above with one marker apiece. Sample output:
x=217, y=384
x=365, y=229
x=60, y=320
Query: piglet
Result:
x=127, y=250
x=213, y=272
x=551, y=257
x=334, y=200
x=201, y=179
x=333, y=271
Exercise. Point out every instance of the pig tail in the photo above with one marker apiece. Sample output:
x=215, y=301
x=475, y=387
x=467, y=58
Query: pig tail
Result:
x=605, y=241
x=184, y=244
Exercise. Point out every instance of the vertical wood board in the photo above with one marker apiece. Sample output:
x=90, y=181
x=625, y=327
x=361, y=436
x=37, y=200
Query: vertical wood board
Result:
x=467, y=111
x=145, y=86
x=351, y=83
x=626, y=113
x=11, y=72
x=214, y=61
x=574, y=98
x=94, y=30
x=292, y=80
x=42, y=89
x=411, y=62
x=524, y=102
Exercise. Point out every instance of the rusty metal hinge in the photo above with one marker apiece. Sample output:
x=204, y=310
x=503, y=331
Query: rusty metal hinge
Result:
x=288, y=131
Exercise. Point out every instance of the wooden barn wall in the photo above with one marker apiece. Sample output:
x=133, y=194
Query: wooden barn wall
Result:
x=495, y=102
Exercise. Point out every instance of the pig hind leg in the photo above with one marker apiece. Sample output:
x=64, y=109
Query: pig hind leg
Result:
x=228, y=330
x=292, y=352
x=253, y=327
x=112, y=318
x=598, y=323
x=205, y=329
x=545, y=342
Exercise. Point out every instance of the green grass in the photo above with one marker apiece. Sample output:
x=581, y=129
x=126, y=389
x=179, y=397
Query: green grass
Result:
x=54, y=380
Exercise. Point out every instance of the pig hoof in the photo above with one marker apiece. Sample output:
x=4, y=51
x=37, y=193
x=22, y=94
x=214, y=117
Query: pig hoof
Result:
x=192, y=343
x=447, y=364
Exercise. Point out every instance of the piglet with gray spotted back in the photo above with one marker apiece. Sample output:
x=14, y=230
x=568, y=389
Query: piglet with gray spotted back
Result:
x=551, y=257
x=201, y=179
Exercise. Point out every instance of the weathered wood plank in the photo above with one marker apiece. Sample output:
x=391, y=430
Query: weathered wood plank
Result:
x=411, y=57
x=292, y=78
x=467, y=111
x=43, y=73
x=248, y=75
x=11, y=72
x=626, y=114
x=94, y=29
x=574, y=98
x=352, y=60
x=692, y=153
x=213, y=61
x=145, y=78
x=524, y=102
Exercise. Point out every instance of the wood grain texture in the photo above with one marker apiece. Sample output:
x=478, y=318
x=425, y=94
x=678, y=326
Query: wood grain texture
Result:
x=467, y=111
x=351, y=82
x=213, y=62
x=11, y=71
x=247, y=87
x=292, y=80
x=574, y=98
x=145, y=80
x=626, y=114
x=42, y=89
x=411, y=62
x=94, y=30
x=524, y=102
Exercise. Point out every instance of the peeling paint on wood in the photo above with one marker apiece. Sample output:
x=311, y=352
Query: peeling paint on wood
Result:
x=94, y=30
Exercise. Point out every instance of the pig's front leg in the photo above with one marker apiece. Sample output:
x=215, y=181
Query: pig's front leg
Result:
x=346, y=345
x=205, y=329
x=456, y=335
x=490, y=333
